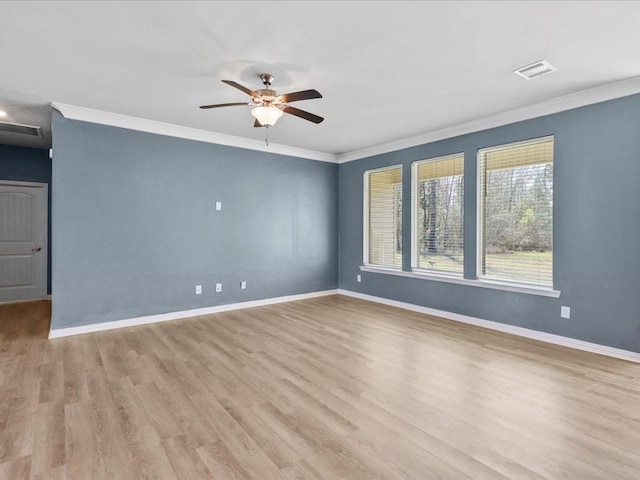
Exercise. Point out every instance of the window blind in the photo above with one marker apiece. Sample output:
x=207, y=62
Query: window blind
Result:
x=516, y=212
x=384, y=219
x=439, y=200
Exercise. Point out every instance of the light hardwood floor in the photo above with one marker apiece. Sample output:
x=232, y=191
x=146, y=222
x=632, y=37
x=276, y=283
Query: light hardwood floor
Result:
x=329, y=388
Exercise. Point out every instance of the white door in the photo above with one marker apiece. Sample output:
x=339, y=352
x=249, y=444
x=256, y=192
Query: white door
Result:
x=23, y=241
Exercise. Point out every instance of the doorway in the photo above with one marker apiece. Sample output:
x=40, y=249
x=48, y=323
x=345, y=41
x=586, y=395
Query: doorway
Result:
x=23, y=241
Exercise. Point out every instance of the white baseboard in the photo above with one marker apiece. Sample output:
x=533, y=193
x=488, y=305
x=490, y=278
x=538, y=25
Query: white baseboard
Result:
x=164, y=317
x=503, y=327
x=479, y=322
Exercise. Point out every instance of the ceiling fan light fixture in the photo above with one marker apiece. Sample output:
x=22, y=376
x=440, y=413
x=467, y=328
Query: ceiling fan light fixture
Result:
x=267, y=116
x=268, y=106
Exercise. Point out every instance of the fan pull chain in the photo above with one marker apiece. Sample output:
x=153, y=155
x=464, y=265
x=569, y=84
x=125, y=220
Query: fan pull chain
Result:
x=266, y=135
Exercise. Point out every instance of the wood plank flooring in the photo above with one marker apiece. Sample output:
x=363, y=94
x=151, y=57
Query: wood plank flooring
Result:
x=329, y=388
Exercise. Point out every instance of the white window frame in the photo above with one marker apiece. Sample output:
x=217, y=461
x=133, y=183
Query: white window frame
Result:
x=365, y=219
x=480, y=225
x=414, y=218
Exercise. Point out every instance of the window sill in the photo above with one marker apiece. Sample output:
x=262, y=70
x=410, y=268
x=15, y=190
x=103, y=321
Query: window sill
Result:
x=483, y=283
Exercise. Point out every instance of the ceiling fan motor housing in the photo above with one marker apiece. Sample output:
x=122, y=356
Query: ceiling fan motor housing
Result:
x=267, y=79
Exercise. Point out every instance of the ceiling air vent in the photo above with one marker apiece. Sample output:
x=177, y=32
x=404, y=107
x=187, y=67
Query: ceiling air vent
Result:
x=535, y=70
x=20, y=129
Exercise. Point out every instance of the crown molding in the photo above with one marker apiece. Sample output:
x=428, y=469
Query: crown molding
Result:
x=582, y=98
x=101, y=117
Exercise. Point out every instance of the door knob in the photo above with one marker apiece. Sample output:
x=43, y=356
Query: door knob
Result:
x=36, y=249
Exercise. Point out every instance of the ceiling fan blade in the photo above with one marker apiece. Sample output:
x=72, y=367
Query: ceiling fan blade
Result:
x=224, y=105
x=257, y=124
x=302, y=114
x=297, y=96
x=242, y=88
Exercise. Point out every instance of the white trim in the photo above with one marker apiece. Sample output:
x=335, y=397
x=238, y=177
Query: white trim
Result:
x=450, y=278
x=479, y=217
x=414, y=214
x=164, y=317
x=45, y=241
x=365, y=217
x=437, y=274
x=384, y=270
x=151, y=126
x=505, y=328
x=601, y=93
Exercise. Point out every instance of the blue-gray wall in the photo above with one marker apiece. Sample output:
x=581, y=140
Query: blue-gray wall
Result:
x=596, y=227
x=136, y=227
x=29, y=165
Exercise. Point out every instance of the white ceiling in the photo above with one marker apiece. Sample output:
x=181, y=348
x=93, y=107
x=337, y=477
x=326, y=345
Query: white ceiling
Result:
x=387, y=70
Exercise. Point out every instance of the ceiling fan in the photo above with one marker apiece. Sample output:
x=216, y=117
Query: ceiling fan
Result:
x=268, y=105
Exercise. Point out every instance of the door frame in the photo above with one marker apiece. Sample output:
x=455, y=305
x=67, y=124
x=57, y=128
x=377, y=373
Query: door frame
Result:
x=45, y=229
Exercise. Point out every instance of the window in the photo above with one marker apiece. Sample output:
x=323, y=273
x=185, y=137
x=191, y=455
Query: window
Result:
x=515, y=212
x=438, y=186
x=383, y=217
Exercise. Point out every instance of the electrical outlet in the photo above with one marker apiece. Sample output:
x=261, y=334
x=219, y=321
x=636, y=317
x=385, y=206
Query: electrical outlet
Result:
x=565, y=312
x=358, y=278
x=243, y=285
x=218, y=205
x=218, y=287
x=198, y=289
